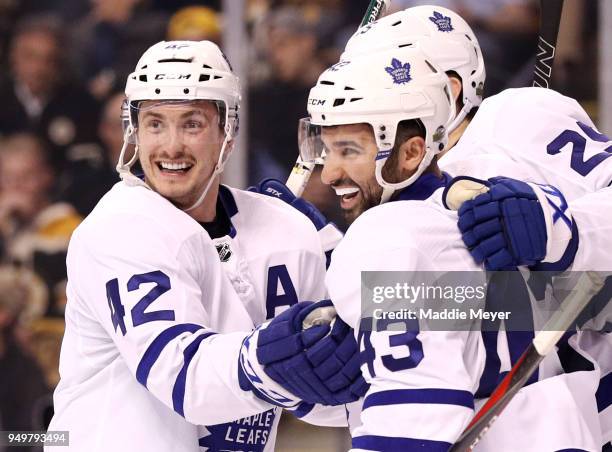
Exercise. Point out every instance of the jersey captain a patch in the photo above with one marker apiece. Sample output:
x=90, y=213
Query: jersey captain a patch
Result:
x=224, y=250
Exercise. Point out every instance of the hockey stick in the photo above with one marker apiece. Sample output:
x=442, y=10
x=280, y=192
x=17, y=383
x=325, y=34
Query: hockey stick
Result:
x=301, y=172
x=550, y=19
x=588, y=285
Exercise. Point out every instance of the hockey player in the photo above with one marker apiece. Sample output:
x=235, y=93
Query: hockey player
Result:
x=378, y=120
x=154, y=322
x=531, y=134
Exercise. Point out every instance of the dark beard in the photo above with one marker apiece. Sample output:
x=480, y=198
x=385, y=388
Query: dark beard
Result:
x=370, y=197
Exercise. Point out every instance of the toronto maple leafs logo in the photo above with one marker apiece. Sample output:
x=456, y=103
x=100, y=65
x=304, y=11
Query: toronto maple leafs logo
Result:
x=400, y=72
x=442, y=22
x=249, y=434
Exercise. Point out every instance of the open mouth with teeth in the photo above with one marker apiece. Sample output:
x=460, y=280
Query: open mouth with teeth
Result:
x=348, y=196
x=174, y=167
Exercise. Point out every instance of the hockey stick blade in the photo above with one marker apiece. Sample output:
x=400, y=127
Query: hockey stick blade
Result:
x=588, y=285
x=301, y=172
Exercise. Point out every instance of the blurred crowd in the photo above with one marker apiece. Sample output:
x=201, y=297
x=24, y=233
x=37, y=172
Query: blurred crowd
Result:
x=63, y=65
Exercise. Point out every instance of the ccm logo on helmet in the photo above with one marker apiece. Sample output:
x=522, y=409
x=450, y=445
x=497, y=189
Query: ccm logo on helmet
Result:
x=172, y=76
x=316, y=102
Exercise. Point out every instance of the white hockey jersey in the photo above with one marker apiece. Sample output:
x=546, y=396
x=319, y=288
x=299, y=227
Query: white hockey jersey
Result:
x=541, y=136
x=154, y=322
x=423, y=385
x=538, y=135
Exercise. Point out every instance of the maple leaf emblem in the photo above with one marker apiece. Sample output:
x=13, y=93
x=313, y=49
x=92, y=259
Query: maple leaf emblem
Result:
x=442, y=22
x=400, y=72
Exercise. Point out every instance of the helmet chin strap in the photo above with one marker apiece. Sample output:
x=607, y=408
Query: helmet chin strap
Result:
x=218, y=170
x=390, y=188
x=122, y=167
x=467, y=107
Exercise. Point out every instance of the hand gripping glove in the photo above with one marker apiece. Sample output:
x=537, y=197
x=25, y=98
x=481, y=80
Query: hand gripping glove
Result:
x=329, y=234
x=509, y=223
x=285, y=362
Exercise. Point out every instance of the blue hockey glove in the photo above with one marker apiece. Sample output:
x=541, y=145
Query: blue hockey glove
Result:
x=285, y=362
x=510, y=223
x=329, y=234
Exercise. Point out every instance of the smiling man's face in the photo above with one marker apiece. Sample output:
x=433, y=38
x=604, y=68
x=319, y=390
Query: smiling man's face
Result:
x=179, y=145
x=349, y=167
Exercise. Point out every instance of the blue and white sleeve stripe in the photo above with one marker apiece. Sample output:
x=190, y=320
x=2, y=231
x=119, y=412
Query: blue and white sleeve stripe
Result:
x=178, y=391
x=420, y=396
x=155, y=350
x=394, y=444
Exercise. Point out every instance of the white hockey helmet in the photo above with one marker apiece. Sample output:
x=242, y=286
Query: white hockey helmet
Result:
x=381, y=88
x=182, y=71
x=442, y=34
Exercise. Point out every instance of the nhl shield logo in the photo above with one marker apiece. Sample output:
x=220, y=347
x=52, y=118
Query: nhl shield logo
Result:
x=442, y=22
x=224, y=251
x=400, y=72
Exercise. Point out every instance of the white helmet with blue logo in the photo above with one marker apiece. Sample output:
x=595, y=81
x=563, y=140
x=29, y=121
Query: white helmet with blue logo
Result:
x=381, y=88
x=442, y=34
x=176, y=72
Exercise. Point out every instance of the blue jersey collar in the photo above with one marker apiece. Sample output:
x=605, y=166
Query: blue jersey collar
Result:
x=422, y=188
x=226, y=208
x=229, y=205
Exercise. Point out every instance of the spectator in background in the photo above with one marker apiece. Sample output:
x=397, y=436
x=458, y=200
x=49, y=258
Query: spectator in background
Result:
x=23, y=382
x=111, y=38
x=38, y=97
x=195, y=23
x=91, y=172
x=173, y=5
x=34, y=230
x=278, y=103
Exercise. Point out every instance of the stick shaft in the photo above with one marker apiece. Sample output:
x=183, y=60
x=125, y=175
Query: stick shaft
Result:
x=550, y=20
x=588, y=285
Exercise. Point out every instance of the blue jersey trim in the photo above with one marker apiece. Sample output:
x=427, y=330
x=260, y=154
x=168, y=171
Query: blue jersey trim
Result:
x=571, y=450
x=430, y=395
x=302, y=409
x=423, y=187
x=394, y=444
x=178, y=391
x=229, y=204
x=568, y=256
x=604, y=393
x=157, y=346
